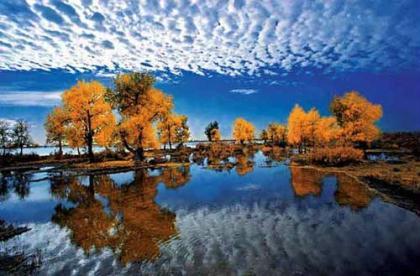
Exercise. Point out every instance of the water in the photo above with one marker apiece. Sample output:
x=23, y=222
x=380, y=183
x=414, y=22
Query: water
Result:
x=45, y=151
x=252, y=219
x=50, y=150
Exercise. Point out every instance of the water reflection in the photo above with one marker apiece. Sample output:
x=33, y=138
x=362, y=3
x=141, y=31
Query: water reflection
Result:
x=124, y=217
x=252, y=219
x=306, y=181
x=352, y=193
x=19, y=182
x=244, y=163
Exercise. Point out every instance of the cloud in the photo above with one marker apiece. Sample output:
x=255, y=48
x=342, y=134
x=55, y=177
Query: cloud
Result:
x=267, y=238
x=10, y=122
x=30, y=98
x=243, y=37
x=244, y=91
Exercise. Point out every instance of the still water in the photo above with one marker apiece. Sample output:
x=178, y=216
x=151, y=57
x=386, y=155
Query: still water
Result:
x=257, y=218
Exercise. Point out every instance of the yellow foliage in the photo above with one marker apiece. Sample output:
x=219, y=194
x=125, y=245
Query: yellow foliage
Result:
x=357, y=117
x=243, y=131
x=276, y=133
x=75, y=136
x=327, y=131
x=55, y=125
x=335, y=155
x=215, y=135
x=302, y=126
x=173, y=129
x=87, y=110
x=141, y=106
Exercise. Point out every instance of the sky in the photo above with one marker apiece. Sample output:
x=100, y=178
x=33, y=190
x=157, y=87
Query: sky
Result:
x=218, y=59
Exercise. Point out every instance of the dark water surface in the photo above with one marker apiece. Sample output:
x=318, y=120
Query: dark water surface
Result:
x=253, y=219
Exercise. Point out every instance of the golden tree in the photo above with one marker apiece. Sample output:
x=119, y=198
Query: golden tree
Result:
x=215, y=135
x=141, y=106
x=173, y=129
x=276, y=133
x=357, y=117
x=327, y=131
x=75, y=136
x=87, y=109
x=301, y=127
x=243, y=131
x=55, y=127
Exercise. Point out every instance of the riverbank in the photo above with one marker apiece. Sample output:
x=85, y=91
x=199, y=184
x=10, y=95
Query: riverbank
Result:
x=402, y=174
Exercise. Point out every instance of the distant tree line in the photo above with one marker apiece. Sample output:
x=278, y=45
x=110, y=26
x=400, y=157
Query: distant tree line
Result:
x=14, y=135
x=352, y=124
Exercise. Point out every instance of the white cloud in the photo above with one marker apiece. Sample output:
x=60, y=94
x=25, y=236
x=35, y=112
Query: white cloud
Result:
x=10, y=122
x=229, y=37
x=244, y=91
x=30, y=98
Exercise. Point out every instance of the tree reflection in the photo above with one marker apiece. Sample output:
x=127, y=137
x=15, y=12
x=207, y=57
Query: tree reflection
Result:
x=306, y=181
x=19, y=182
x=243, y=163
x=275, y=154
x=351, y=192
x=174, y=177
x=124, y=218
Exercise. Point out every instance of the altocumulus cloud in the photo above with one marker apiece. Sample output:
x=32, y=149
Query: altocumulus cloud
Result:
x=244, y=91
x=235, y=37
x=30, y=98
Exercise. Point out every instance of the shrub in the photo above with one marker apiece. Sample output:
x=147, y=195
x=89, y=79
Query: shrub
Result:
x=337, y=156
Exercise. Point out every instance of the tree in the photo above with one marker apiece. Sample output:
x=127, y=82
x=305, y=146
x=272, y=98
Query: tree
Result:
x=20, y=135
x=215, y=135
x=4, y=136
x=140, y=106
x=209, y=129
x=357, y=117
x=243, y=131
x=55, y=127
x=301, y=127
x=75, y=136
x=327, y=131
x=276, y=133
x=173, y=129
x=264, y=136
x=87, y=110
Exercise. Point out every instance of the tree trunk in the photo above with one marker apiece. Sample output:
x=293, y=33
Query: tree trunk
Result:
x=139, y=156
x=90, y=147
x=78, y=151
x=89, y=138
x=21, y=150
x=60, y=147
x=169, y=138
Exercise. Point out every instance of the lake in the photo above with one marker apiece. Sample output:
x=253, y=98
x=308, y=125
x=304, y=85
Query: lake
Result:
x=262, y=218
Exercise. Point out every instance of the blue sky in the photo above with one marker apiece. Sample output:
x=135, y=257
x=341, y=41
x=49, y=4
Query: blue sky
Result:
x=219, y=59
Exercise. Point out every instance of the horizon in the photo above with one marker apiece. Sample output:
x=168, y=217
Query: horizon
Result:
x=219, y=62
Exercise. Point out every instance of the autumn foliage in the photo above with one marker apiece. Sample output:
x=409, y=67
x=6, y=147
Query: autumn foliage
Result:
x=357, y=117
x=243, y=131
x=141, y=107
x=332, y=139
x=89, y=113
x=173, y=129
x=146, y=120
